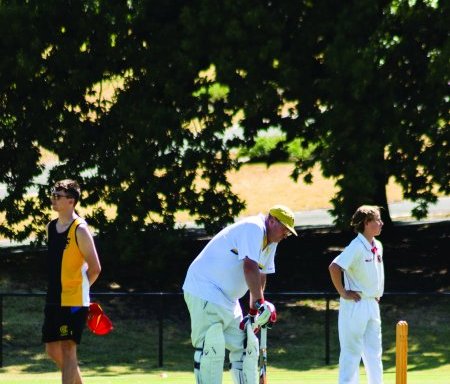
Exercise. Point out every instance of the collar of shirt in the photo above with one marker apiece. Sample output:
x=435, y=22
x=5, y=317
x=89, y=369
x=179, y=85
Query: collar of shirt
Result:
x=366, y=244
x=264, y=242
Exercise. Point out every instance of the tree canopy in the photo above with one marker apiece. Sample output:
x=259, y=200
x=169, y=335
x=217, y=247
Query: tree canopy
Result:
x=363, y=83
x=135, y=98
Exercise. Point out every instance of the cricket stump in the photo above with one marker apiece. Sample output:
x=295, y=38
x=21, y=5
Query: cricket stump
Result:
x=401, y=352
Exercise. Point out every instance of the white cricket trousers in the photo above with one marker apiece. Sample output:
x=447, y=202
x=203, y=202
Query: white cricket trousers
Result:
x=204, y=314
x=360, y=336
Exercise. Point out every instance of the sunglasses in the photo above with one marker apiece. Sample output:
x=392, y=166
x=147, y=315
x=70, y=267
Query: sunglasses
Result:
x=57, y=196
x=287, y=233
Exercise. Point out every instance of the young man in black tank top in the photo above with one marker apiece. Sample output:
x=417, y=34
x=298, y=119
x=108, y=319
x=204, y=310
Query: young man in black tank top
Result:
x=73, y=266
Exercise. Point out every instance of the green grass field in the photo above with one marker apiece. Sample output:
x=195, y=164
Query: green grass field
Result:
x=275, y=375
x=318, y=376
x=296, y=344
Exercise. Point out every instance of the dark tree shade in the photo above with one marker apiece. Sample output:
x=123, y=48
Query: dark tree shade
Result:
x=363, y=83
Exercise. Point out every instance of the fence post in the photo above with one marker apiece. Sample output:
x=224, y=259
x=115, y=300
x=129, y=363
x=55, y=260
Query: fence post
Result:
x=160, y=329
x=327, y=331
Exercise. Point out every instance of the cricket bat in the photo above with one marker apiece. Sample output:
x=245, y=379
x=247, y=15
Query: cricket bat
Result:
x=263, y=356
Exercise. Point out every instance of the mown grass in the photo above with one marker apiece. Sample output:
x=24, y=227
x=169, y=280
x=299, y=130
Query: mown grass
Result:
x=278, y=376
x=296, y=344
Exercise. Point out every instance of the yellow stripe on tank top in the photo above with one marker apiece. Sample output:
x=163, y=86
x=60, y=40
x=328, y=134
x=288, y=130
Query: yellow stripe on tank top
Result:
x=72, y=270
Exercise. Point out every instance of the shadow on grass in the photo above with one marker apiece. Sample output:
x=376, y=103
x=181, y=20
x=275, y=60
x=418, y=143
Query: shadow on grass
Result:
x=428, y=335
x=296, y=342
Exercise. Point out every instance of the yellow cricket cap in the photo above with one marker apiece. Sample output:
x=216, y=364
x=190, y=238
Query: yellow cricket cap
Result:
x=284, y=215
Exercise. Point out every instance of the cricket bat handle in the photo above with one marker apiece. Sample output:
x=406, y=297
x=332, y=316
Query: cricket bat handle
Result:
x=263, y=353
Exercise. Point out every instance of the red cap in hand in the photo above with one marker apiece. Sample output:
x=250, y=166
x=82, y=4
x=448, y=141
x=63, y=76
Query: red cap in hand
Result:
x=97, y=321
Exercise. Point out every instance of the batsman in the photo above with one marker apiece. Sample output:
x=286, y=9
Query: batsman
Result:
x=235, y=261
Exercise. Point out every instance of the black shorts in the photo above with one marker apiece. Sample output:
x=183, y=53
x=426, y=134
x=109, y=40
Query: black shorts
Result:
x=63, y=323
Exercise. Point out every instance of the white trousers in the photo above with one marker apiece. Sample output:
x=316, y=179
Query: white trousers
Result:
x=203, y=314
x=360, y=336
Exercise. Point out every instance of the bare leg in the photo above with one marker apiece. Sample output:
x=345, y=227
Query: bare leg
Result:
x=54, y=351
x=70, y=370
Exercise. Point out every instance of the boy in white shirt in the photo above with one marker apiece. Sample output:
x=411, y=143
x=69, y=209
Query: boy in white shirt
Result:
x=359, y=314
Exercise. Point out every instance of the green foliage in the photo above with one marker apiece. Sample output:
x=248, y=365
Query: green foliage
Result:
x=378, y=86
x=271, y=148
x=297, y=149
x=359, y=87
x=368, y=84
x=263, y=147
x=135, y=150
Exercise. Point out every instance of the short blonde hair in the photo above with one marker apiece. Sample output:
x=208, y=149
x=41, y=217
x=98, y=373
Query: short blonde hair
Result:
x=363, y=214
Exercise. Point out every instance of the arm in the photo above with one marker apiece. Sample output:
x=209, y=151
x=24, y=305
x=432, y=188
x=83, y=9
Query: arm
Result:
x=265, y=314
x=256, y=281
x=263, y=281
x=336, y=278
x=87, y=248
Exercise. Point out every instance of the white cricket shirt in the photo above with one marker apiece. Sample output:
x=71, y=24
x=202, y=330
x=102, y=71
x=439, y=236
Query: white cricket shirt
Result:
x=217, y=273
x=363, y=269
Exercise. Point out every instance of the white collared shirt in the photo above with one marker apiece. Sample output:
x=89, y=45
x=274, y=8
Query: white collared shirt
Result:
x=363, y=269
x=217, y=273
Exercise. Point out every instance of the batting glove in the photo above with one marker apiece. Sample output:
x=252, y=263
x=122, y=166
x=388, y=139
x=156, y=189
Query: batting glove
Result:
x=250, y=319
x=267, y=314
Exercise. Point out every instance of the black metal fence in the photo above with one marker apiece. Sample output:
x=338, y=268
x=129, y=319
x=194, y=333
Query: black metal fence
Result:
x=167, y=311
